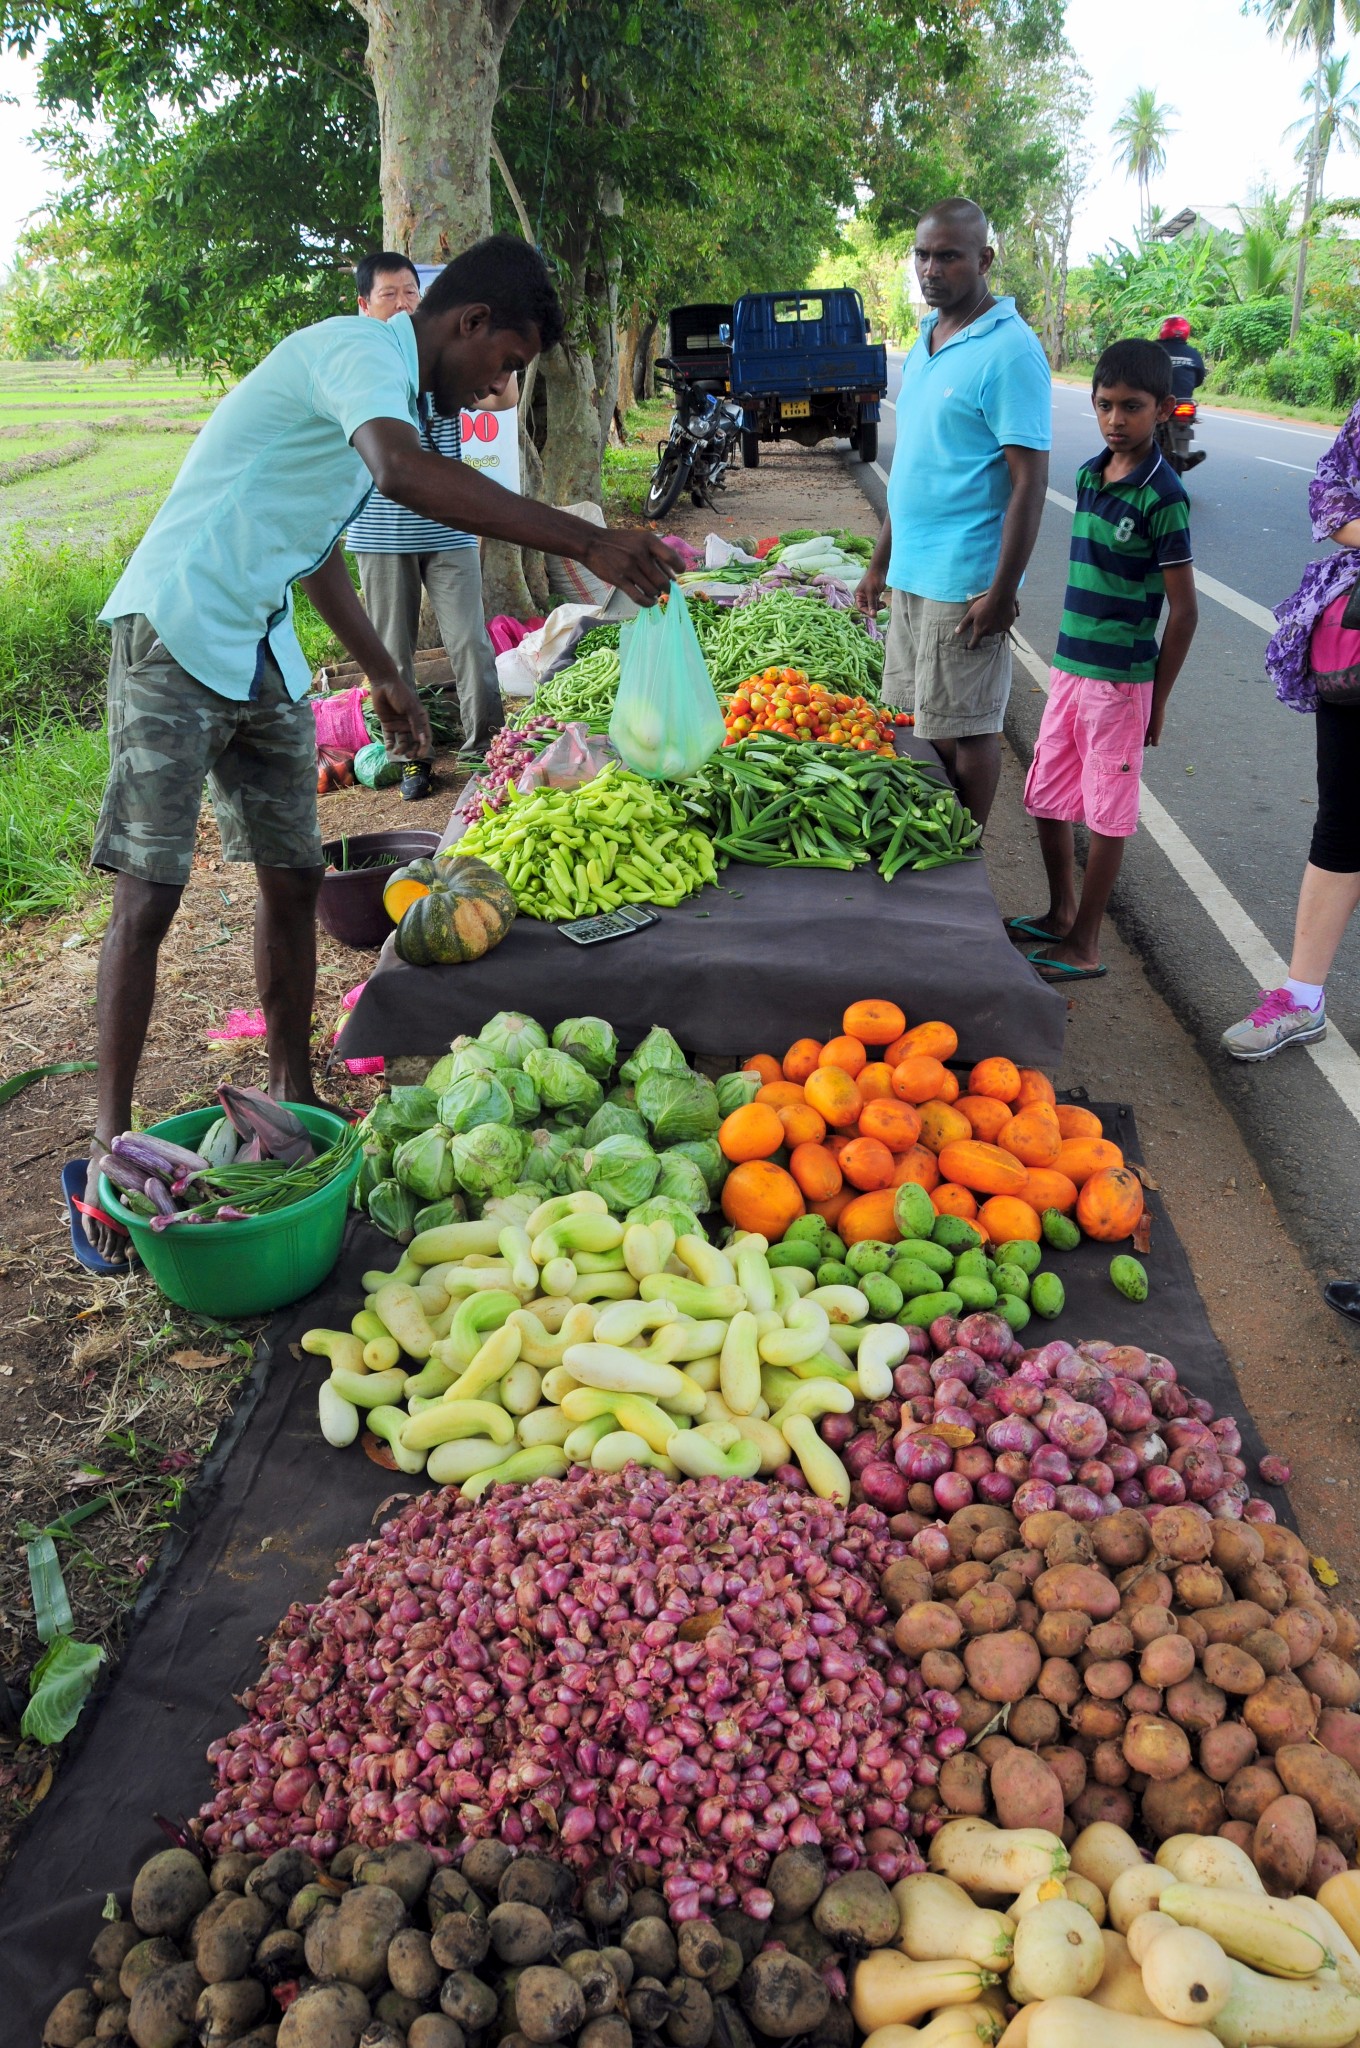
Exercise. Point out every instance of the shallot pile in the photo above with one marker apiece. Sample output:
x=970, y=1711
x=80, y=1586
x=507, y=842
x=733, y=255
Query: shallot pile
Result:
x=691, y=1678
x=1087, y=1429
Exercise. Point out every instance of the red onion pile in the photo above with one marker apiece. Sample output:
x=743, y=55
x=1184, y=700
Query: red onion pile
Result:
x=1087, y=1429
x=507, y=757
x=692, y=1677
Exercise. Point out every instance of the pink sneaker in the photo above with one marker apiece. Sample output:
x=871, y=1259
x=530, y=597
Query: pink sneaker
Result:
x=1275, y=1023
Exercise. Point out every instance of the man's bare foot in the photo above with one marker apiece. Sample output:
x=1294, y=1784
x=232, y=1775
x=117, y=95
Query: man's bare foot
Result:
x=1061, y=962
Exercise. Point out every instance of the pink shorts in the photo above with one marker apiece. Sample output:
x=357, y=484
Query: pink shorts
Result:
x=1089, y=754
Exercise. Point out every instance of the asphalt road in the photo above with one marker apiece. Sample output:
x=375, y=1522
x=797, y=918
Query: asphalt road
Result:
x=1209, y=885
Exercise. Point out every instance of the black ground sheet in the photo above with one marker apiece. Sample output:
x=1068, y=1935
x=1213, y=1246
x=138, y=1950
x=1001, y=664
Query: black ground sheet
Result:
x=271, y=1512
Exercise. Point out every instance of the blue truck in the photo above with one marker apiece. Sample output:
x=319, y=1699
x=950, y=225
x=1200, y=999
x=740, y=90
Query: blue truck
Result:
x=804, y=369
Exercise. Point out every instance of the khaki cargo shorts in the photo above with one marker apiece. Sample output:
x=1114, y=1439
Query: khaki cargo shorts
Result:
x=169, y=734
x=956, y=691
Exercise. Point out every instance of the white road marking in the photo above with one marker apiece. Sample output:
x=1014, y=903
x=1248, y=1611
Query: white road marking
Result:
x=1303, y=468
x=1222, y=593
x=1237, y=419
x=880, y=472
x=891, y=403
x=1334, y=1057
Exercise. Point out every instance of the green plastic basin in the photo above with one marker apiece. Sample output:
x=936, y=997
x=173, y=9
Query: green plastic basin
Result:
x=247, y=1268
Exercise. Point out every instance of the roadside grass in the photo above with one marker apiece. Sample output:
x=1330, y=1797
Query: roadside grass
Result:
x=628, y=470
x=51, y=780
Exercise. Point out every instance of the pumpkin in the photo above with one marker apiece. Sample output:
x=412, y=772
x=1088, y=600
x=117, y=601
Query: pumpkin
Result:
x=895, y=1124
x=405, y=886
x=464, y=909
x=937, y=1041
x=801, y=1058
x=833, y=1094
x=987, y=1116
x=1008, y=1217
x=751, y=1132
x=984, y=1168
x=1045, y=1188
x=1110, y=1204
x=801, y=1124
x=950, y=1199
x=873, y=1021
x=761, y=1197
x=1079, y=1158
x=918, y=1078
x=764, y=1064
x=1076, y=1122
x=817, y=1172
x=846, y=1053
x=1034, y=1087
x=780, y=1094
x=997, y=1076
x=941, y=1124
x=869, y=1216
x=874, y=1081
x=1032, y=1136
x=921, y=1166
x=867, y=1163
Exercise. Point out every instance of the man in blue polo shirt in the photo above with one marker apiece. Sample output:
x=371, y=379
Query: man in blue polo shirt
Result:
x=207, y=679
x=965, y=497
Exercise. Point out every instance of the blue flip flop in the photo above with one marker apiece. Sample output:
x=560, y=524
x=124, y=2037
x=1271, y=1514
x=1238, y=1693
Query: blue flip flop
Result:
x=73, y=1178
x=1030, y=928
x=1058, y=971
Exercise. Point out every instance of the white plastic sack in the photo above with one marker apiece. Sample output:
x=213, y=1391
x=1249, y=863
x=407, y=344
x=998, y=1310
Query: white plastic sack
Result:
x=570, y=579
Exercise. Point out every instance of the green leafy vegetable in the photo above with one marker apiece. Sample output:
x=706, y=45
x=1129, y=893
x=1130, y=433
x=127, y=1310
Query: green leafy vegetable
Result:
x=58, y=1689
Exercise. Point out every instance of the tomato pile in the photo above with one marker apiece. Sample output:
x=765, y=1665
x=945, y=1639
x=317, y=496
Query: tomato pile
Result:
x=783, y=700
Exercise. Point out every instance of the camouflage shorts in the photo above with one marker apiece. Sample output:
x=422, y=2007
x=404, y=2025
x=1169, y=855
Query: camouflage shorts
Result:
x=168, y=734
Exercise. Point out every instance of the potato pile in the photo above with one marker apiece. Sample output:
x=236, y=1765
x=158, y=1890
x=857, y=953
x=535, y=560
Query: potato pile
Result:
x=386, y=1948
x=1170, y=1674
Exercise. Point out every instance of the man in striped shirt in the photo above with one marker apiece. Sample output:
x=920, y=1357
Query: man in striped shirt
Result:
x=1109, y=685
x=401, y=553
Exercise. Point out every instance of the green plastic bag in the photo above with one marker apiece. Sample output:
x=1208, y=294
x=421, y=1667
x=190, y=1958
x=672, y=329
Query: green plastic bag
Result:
x=373, y=769
x=666, y=720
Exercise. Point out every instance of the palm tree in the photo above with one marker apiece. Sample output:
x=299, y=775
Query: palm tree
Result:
x=1333, y=117
x=1310, y=25
x=1140, y=135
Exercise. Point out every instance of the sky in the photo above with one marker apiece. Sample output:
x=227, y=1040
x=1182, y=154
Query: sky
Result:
x=1234, y=91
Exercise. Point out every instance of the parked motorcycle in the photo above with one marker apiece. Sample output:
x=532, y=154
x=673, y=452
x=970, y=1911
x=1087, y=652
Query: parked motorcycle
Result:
x=1175, y=437
x=705, y=430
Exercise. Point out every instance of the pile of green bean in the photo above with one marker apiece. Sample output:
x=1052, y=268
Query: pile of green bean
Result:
x=583, y=693
x=776, y=803
x=572, y=852
x=785, y=630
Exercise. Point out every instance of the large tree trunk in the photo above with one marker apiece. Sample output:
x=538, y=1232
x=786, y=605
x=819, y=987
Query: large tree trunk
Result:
x=644, y=382
x=575, y=443
x=436, y=74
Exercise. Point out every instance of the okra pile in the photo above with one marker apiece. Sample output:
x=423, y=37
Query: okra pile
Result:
x=781, y=803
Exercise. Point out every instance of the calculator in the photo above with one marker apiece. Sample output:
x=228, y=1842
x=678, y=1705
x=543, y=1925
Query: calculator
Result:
x=613, y=924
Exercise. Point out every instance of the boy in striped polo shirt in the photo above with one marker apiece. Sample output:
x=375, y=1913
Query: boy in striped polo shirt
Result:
x=1109, y=685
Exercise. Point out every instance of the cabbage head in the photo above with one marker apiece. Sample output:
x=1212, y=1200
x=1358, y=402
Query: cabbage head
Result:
x=591, y=1041
x=393, y=1208
x=563, y=1082
x=678, y=1105
x=475, y=1099
x=401, y=1113
x=543, y=1163
x=524, y=1102
x=665, y=1209
x=609, y=1120
x=423, y=1164
x=621, y=1170
x=510, y=1034
x=682, y=1180
x=658, y=1049
x=735, y=1091
x=453, y=1209
x=516, y=1207
x=488, y=1158
x=375, y=1165
x=707, y=1155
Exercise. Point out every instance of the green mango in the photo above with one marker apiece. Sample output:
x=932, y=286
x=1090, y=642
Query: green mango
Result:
x=1130, y=1277
x=973, y=1261
x=956, y=1234
x=923, y=1308
x=834, y=1273
x=913, y=1210
x=883, y=1295
x=1013, y=1310
x=1060, y=1231
x=870, y=1255
x=936, y=1256
x=973, y=1291
x=1021, y=1252
x=833, y=1247
x=1047, y=1296
x=914, y=1276
x=812, y=1227
x=1013, y=1280
x=803, y=1251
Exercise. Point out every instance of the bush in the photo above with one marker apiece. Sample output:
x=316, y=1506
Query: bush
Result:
x=1321, y=368
x=54, y=654
x=1248, y=333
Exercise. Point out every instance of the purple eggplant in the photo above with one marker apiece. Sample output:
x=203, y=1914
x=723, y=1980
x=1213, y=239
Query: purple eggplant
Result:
x=157, y=1155
x=131, y=1179
x=156, y=1191
x=279, y=1134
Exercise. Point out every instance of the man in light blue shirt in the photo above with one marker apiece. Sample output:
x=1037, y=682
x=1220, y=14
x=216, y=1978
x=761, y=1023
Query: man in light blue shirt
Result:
x=207, y=678
x=965, y=497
